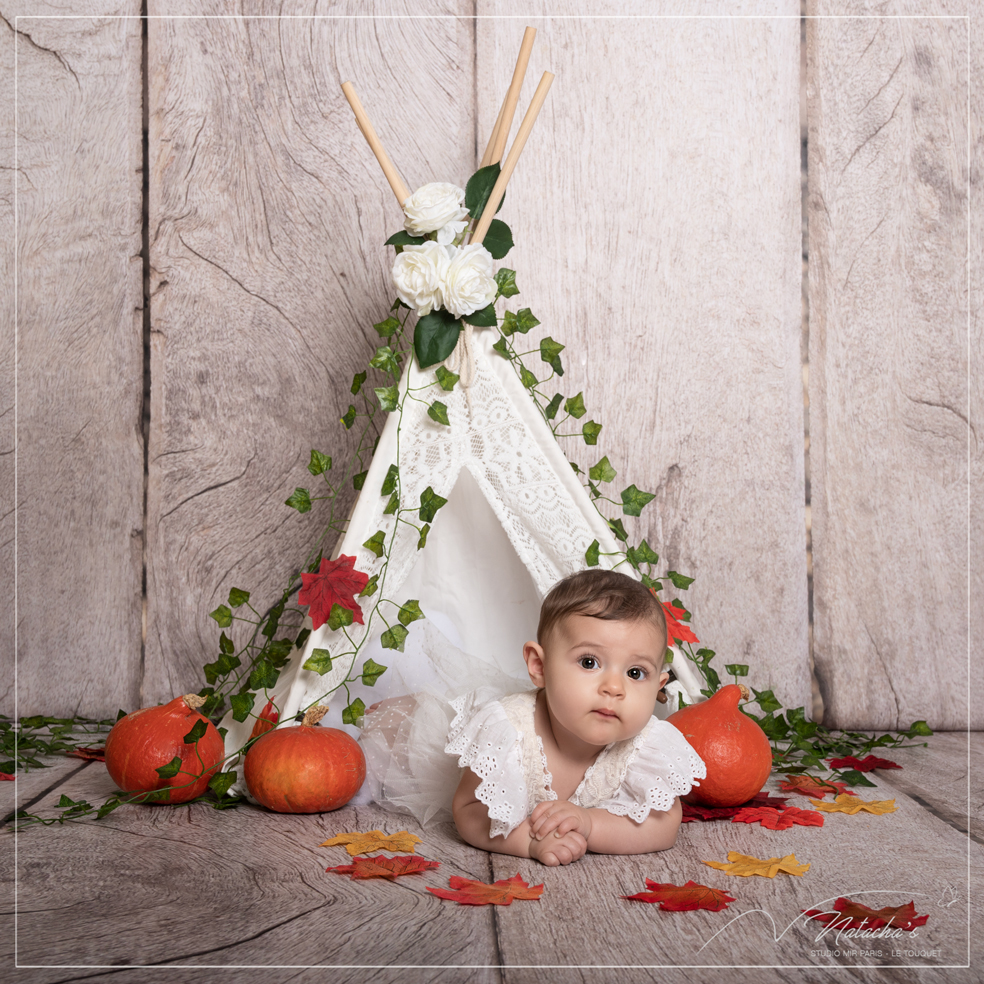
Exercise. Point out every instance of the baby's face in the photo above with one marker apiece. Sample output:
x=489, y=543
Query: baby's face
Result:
x=601, y=677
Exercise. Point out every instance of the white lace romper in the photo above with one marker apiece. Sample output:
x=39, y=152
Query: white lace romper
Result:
x=497, y=741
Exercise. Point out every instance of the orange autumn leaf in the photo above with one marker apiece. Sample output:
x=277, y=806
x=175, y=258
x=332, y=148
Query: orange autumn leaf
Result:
x=854, y=804
x=381, y=867
x=266, y=721
x=337, y=582
x=853, y=915
x=683, y=898
x=775, y=819
x=675, y=629
x=810, y=786
x=693, y=812
x=6, y=777
x=745, y=865
x=465, y=891
x=94, y=753
x=866, y=764
x=374, y=840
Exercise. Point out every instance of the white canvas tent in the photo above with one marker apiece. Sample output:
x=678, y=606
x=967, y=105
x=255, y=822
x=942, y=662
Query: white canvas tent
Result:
x=516, y=521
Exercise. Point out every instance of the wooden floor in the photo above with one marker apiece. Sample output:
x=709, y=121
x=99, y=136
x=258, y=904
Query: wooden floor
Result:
x=157, y=894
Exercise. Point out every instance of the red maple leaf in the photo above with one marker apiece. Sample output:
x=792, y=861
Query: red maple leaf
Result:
x=468, y=892
x=811, y=786
x=265, y=721
x=336, y=583
x=853, y=915
x=775, y=819
x=692, y=812
x=677, y=631
x=96, y=753
x=390, y=868
x=866, y=764
x=683, y=898
x=6, y=777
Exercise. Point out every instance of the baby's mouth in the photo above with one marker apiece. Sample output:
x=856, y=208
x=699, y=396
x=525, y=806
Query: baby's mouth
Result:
x=605, y=712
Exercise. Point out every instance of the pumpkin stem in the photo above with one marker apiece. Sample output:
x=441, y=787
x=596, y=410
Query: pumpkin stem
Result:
x=314, y=715
x=745, y=694
x=193, y=701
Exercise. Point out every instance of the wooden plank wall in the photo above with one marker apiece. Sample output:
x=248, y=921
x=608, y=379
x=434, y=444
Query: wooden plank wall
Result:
x=657, y=218
x=80, y=457
x=888, y=364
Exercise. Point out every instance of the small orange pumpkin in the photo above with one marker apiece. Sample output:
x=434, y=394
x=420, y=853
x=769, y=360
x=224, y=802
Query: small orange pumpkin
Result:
x=734, y=748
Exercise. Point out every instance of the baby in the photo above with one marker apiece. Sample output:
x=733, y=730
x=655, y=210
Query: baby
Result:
x=580, y=764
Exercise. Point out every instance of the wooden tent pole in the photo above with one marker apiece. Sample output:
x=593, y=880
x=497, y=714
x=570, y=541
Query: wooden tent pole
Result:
x=509, y=165
x=501, y=132
x=392, y=176
x=487, y=156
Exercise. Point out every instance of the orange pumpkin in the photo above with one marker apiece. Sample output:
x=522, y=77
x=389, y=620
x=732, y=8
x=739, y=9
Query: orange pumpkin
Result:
x=734, y=748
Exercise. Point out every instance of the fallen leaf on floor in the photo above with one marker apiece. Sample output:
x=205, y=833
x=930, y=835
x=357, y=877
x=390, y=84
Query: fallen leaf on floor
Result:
x=810, y=786
x=390, y=868
x=93, y=754
x=693, y=812
x=374, y=840
x=683, y=898
x=469, y=892
x=6, y=777
x=745, y=865
x=853, y=915
x=866, y=764
x=854, y=804
x=778, y=819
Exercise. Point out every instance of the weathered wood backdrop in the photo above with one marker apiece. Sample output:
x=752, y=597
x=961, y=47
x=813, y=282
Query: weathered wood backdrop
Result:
x=657, y=217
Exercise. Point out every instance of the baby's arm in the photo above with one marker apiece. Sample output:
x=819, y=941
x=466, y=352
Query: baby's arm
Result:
x=471, y=817
x=607, y=833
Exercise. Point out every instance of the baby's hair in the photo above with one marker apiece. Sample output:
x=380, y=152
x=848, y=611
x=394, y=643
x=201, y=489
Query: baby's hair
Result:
x=600, y=594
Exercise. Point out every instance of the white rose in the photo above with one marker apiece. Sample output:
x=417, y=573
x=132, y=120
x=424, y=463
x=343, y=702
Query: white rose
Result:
x=436, y=208
x=419, y=273
x=468, y=282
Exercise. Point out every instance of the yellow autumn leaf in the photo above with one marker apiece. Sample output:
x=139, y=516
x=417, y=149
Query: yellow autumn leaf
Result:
x=374, y=840
x=745, y=865
x=846, y=803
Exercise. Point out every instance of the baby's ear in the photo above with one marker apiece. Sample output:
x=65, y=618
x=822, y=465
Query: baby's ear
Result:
x=533, y=654
x=663, y=677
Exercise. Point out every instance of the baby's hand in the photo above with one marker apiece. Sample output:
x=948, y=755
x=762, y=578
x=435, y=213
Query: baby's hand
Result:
x=558, y=848
x=559, y=817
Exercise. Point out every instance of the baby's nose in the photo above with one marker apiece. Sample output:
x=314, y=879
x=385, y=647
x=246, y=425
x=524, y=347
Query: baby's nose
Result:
x=611, y=683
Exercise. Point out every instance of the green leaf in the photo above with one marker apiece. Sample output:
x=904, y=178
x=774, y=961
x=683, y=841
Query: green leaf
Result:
x=502, y=348
x=506, y=279
x=339, y=616
x=603, y=471
x=483, y=317
x=319, y=464
x=446, y=378
x=238, y=597
x=854, y=778
x=403, y=238
x=591, y=555
x=498, y=240
x=508, y=326
x=385, y=360
x=918, y=728
x=575, y=406
x=168, y=771
x=680, y=581
x=410, y=612
x=375, y=543
x=394, y=637
x=264, y=675
x=108, y=807
x=319, y=661
x=302, y=638
x=435, y=337
x=633, y=499
x=388, y=396
x=357, y=380
x=279, y=651
x=550, y=353
x=300, y=500
x=438, y=411
x=225, y=644
x=349, y=419
x=550, y=411
x=392, y=505
x=646, y=555
x=618, y=529
x=370, y=589
x=222, y=615
x=389, y=326
x=590, y=432
x=397, y=304
x=430, y=502
x=359, y=480
x=422, y=539
x=525, y=320
x=198, y=730
x=221, y=782
x=353, y=712
x=371, y=672
x=120, y=714
x=478, y=189
x=527, y=378
x=389, y=482
x=765, y=699
x=736, y=669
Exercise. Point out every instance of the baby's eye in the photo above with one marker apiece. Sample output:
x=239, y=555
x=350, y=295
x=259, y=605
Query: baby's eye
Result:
x=588, y=662
x=637, y=673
